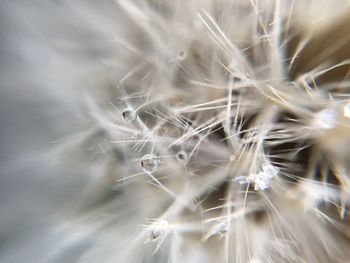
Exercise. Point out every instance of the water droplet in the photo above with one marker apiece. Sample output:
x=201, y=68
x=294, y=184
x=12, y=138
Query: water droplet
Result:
x=129, y=115
x=158, y=229
x=181, y=156
x=182, y=55
x=150, y=163
x=154, y=234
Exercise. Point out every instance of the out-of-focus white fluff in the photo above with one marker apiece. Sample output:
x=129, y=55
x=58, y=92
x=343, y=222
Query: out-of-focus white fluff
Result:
x=174, y=131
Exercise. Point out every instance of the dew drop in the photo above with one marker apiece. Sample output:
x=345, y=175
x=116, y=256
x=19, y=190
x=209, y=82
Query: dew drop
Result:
x=181, y=55
x=129, y=115
x=158, y=230
x=181, y=156
x=150, y=163
x=154, y=234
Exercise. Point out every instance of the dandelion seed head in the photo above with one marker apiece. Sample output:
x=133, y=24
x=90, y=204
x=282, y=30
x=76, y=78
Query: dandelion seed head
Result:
x=234, y=101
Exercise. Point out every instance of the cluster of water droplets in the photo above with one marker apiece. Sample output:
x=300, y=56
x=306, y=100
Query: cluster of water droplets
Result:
x=262, y=179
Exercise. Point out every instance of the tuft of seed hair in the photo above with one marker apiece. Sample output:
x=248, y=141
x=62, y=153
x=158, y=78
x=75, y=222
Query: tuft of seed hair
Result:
x=205, y=131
